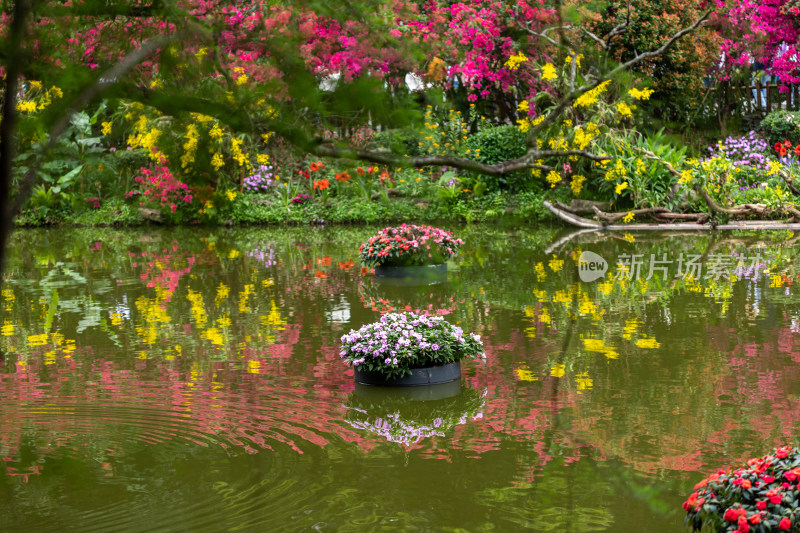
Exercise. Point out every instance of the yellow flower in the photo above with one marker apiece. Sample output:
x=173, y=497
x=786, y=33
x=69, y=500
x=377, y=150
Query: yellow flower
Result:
x=624, y=110
x=553, y=178
x=106, y=128
x=644, y=94
x=231, y=195
x=549, y=72
x=577, y=184
x=515, y=61
x=590, y=97
x=628, y=218
x=523, y=106
x=35, y=84
x=241, y=80
x=217, y=161
x=621, y=187
x=262, y=159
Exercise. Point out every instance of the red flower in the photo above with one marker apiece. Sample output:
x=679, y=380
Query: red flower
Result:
x=784, y=524
x=746, y=484
x=797, y=150
x=783, y=151
x=761, y=505
x=787, y=144
x=778, y=147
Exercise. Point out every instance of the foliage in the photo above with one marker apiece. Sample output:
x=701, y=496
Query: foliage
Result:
x=402, y=341
x=496, y=144
x=678, y=74
x=409, y=245
x=780, y=126
x=757, y=497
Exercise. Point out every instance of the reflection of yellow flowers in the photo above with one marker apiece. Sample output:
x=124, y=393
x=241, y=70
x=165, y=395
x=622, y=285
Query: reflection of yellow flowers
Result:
x=555, y=264
x=648, y=342
x=583, y=381
x=222, y=293
x=7, y=330
x=524, y=373
x=558, y=371
x=597, y=345
x=37, y=340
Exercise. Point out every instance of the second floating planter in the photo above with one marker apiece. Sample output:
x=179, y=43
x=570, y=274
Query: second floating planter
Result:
x=406, y=350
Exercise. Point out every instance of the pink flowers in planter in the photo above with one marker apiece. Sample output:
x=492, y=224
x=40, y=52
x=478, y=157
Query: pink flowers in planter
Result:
x=760, y=496
x=409, y=245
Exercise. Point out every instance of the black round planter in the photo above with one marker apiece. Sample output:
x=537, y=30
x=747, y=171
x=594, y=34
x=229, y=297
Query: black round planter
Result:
x=419, y=393
x=412, y=275
x=419, y=376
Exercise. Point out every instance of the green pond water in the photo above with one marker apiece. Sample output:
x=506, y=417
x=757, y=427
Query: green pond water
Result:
x=190, y=380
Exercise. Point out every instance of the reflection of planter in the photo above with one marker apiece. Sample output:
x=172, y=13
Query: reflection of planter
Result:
x=419, y=376
x=421, y=393
x=412, y=275
x=394, y=415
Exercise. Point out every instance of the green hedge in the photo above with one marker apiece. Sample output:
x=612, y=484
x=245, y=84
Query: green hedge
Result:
x=780, y=126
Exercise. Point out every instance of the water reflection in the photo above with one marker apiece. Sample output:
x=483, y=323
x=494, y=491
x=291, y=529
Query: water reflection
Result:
x=407, y=415
x=191, y=379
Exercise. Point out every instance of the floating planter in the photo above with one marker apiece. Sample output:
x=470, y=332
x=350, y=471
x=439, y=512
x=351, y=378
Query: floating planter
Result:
x=405, y=349
x=759, y=496
x=410, y=251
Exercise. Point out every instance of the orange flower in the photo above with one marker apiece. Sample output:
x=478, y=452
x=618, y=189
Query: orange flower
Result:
x=384, y=176
x=322, y=184
x=344, y=176
x=360, y=171
x=370, y=170
x=313, y=167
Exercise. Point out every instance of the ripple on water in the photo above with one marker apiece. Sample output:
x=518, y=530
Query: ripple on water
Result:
x=123, y=454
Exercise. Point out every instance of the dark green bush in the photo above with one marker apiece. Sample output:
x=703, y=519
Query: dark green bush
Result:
x=495, y=145
x=780, y=126
x=403, y=141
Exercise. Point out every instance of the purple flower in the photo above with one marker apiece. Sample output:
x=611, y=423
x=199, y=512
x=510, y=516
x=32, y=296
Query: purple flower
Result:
x=434, y=346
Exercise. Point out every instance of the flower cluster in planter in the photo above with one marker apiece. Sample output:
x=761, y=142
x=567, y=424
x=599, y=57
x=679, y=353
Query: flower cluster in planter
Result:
x=409, y=245
x=402, y=341
x=758, y=497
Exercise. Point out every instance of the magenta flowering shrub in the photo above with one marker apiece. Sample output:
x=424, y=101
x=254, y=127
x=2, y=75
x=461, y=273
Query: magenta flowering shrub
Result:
x=160, y=189
x=758, y=497
x=399, y=342
x=409, y=245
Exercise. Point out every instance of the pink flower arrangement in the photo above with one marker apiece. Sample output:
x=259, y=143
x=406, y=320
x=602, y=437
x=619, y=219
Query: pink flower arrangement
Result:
x=409, y=245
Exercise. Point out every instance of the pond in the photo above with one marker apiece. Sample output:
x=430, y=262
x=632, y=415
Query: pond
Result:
x=190, y=379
